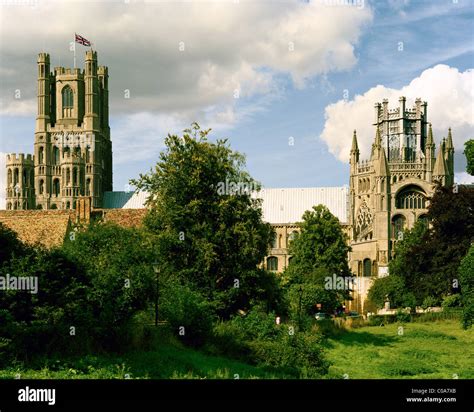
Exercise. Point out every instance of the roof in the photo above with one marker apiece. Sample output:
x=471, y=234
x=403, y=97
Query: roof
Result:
x=124, y=217
x=124, y=200
x=287, y=205
x=46, y=227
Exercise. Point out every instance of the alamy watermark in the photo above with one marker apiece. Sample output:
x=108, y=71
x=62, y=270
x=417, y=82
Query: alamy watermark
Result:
x=335, y=282
x=236, y=188
x=29, y=283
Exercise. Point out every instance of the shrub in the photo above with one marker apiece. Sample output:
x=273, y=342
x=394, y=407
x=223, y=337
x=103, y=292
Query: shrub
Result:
x=429, y=302
x=451, y=301
x=188, y=313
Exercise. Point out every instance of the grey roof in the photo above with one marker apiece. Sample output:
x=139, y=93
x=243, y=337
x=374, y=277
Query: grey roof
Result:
x=285, y=205
x=124, y=200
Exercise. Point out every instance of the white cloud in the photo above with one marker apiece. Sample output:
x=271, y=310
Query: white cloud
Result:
x=227, y=46
x=450, y=97
x=463, y=178
x=3, y=179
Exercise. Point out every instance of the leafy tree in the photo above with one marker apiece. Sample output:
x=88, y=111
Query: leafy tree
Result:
x=208, y=228
x=394, y=289
x=10, y=245
x=466, y=280
x=469, y=153
x=119, y=265
x=318, y=251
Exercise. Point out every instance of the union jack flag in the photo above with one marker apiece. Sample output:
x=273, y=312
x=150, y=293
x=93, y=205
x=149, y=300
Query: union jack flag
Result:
x=82, y=40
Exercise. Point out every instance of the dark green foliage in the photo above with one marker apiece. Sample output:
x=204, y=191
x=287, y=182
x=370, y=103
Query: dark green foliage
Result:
x=318, y=252
x=469, y=153
x=10, y=245
x=427, y=259
x=209, y=237
x=189, y=314
x=466, y=280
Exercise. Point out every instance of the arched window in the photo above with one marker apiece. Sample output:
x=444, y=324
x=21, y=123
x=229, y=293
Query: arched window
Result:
x=367, y=267
x=56, y=187
x=10, y=177
x=55, y=155
x=411, y=197
x=74, y=177
x=9, y=206
x=41, y=186
x=88, y=187
x=41, y=155
x=272, y=263
x=399, y=222
x=66, y=152
x=15, y=177
x=68, y=101
x=292, y=235
x=274, y=241
x=68, y=176
x=68, y=205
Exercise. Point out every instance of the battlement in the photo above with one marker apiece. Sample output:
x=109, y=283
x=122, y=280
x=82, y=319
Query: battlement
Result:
x=59, y=70
x=15, y=158
x=91, y=55
x=103, y=70
x=43, y=58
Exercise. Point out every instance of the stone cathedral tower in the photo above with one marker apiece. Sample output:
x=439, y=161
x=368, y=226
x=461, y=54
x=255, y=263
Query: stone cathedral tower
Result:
x=72, y=148
x=390, y=191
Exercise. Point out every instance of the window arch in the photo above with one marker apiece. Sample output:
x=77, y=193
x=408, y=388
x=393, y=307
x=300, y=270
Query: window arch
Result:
x=41, y=155
x=272, y=263
x=399, y=222
x=411, y=197
x=10, y=177
x=367, y=265
x=68, y=101
x=41, y=186
x=55, y=155
x=56, y=187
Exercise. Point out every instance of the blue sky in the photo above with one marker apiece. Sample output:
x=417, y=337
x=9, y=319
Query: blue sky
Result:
x=380, y=49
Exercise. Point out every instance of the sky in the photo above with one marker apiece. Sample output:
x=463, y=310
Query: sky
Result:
x=286, y=82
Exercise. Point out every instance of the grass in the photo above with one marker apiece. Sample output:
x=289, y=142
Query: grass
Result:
x=427, y=350
x=169, y=359
x=431, y=350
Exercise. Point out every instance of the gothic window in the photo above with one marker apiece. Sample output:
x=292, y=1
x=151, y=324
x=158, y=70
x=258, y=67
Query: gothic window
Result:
x=41, y=187
x=88, y=187
x=56, y=187
x=55, y=155
x=411, y=197
x=398, y=226
x=275, y=241
x=25, y=177
x=68, y=176
x=9, y=206
x=68, y=102
x=367, y=267
x=272, y=263
x=363, y=223
x=41, y=155
x=15, y=177
x=74, y=177
x=66, y=152
x=292, y=235
x=10, y=177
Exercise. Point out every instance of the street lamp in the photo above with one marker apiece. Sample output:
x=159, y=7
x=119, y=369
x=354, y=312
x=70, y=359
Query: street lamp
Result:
x=300, y=292
x=156, y=269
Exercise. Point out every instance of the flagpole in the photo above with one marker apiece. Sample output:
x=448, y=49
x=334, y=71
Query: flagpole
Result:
x=74, y=50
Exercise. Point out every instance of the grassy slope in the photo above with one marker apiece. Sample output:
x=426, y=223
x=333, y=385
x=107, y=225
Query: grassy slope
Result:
x=424, y=350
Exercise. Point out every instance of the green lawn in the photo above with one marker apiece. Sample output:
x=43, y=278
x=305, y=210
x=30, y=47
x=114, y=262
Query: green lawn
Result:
x=423, y=350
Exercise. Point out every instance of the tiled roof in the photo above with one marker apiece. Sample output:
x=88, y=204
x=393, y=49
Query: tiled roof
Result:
x=124, y=217
x=287, y=205
x=124, y=200
x=48, y=228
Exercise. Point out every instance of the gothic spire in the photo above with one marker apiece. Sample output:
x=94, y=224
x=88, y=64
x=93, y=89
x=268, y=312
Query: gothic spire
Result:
x=430, y=140
x=355, y=146
x=440, y=168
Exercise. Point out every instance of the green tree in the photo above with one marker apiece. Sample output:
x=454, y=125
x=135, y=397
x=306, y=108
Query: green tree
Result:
x=466, y=280
x=469, y=153
x=208, y=228
x=318, y=251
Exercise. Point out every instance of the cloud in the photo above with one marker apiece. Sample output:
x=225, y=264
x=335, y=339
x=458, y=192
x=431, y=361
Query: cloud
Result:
x=450, y=97
x=463, y=178
x=180, y=56
x=3, y=179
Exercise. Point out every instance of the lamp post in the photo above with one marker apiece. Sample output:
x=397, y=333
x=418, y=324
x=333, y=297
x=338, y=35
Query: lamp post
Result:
x=156, y=269
x=300, y=292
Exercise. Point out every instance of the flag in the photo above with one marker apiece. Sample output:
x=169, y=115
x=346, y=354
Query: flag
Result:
x=83, y=41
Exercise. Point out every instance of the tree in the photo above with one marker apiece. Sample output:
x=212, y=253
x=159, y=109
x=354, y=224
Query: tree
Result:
x=318, y=251
x=208, y=228
x=10, y=245
x=466, y=280
x=469, y=153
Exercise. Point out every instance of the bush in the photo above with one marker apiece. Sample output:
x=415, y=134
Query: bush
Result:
x=451, y=301
x=429, y=302
x=466, y=280
x=188, y=313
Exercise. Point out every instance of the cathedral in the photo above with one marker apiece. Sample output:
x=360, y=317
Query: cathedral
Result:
x=72, y=146
x=69, y=177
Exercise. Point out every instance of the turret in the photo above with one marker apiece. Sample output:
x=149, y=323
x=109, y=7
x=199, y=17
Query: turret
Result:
x=20, y=194
x=91, y=117
x=354, y=154
x=44, y=103
x=449, y=156
x=440, y=171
